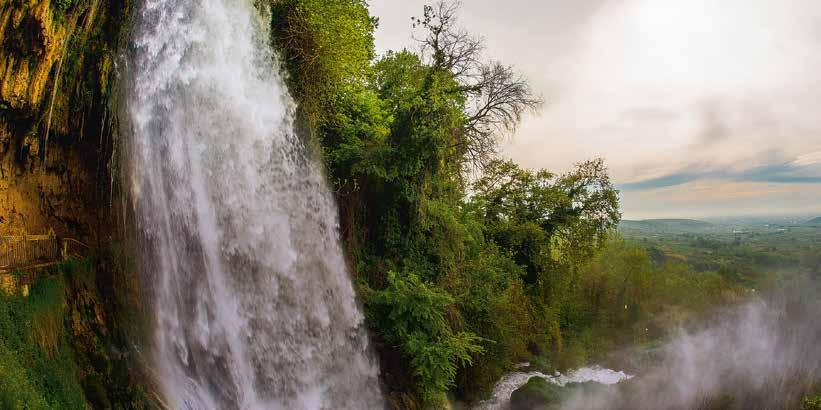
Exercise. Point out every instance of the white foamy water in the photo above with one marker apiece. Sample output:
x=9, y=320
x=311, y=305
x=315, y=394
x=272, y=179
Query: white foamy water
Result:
x=504, y=388
x=254, y=308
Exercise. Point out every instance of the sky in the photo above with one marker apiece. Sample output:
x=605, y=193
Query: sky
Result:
x=700, y=108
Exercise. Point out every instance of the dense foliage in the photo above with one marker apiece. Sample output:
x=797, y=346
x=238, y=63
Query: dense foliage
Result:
x=452, y=282
x=37, y=368
x=466, y=263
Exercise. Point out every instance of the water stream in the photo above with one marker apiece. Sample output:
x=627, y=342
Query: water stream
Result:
x=253, y=305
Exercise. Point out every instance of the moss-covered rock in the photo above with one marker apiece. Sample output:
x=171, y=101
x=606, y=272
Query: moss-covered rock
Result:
x=540, y=394
x=537, y=393
x=69, y=343
x=37, y=367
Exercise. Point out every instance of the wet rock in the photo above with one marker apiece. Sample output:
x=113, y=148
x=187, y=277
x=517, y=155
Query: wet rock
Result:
x=58, y=139
x=537, y=393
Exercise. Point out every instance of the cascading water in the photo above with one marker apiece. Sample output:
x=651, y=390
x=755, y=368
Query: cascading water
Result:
x=254, y=307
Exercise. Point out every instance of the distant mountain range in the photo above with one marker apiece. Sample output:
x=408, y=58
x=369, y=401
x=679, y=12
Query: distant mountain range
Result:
x=666, y=225
x=814, y=221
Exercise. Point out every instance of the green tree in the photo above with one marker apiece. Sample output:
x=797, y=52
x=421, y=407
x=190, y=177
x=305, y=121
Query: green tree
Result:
x=327, y=45
x=545, y=219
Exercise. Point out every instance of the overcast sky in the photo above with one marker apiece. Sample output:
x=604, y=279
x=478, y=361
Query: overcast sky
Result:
x=699, y=107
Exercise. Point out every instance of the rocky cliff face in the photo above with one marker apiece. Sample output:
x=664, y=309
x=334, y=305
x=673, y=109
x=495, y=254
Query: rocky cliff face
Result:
x=59, y=160
x=58, y=142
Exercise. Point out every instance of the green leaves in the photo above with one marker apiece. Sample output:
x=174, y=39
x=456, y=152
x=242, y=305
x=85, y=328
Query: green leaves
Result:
x=435, y=362
x=445, y=277
x=811, y=402
x=37, y=366
x=412, y=306
x=327, y=44
x=411, y=314
x=355, y=136
x=546, y=220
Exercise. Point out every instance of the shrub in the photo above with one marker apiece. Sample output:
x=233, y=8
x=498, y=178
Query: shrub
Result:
x=37, y=368
x=411, y=315
x=811, y=403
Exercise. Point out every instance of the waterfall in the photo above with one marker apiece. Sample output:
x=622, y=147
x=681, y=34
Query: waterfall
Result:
x=254, y=307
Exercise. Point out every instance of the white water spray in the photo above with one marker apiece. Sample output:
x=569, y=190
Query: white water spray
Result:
x=254, y=306
x=504, y=388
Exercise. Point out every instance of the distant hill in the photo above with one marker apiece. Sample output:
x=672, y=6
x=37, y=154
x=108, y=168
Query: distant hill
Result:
x=814, y=221
x=666, y=225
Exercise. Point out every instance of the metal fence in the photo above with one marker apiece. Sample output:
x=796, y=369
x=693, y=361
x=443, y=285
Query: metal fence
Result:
x=27, y=250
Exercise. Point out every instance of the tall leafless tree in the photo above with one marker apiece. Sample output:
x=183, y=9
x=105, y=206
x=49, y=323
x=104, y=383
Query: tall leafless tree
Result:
x=497, y=97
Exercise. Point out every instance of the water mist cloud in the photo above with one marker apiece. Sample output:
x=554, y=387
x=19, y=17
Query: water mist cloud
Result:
x=765, y=354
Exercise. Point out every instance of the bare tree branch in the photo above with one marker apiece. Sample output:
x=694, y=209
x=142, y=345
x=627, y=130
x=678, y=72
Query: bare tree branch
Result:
x=497, y=97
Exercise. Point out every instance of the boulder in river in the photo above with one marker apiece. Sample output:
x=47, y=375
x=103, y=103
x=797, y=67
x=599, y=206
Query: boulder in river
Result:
x=540, y=394
x=537, y=393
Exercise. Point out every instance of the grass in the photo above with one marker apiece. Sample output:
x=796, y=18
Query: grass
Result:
x=37, y=367
x=67, y=344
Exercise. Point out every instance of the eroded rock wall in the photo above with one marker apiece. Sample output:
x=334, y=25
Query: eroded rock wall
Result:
x=58, y=139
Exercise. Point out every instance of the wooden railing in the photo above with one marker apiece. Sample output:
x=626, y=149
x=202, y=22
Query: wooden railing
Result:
x=36, y=251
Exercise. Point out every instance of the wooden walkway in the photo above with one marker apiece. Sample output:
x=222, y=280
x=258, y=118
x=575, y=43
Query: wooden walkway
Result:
x=28, y=252
x=22, y=256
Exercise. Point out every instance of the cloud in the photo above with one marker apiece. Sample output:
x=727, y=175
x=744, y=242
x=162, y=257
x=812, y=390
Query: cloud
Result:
x=804, y=170
x=651, y=115
x=673, y=179
x=714, y=198
x=668, y=92
x=789, y=173
x=714, y=125
x=813, y=158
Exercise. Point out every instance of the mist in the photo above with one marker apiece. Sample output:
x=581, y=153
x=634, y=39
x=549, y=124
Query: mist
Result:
x=763, y=354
